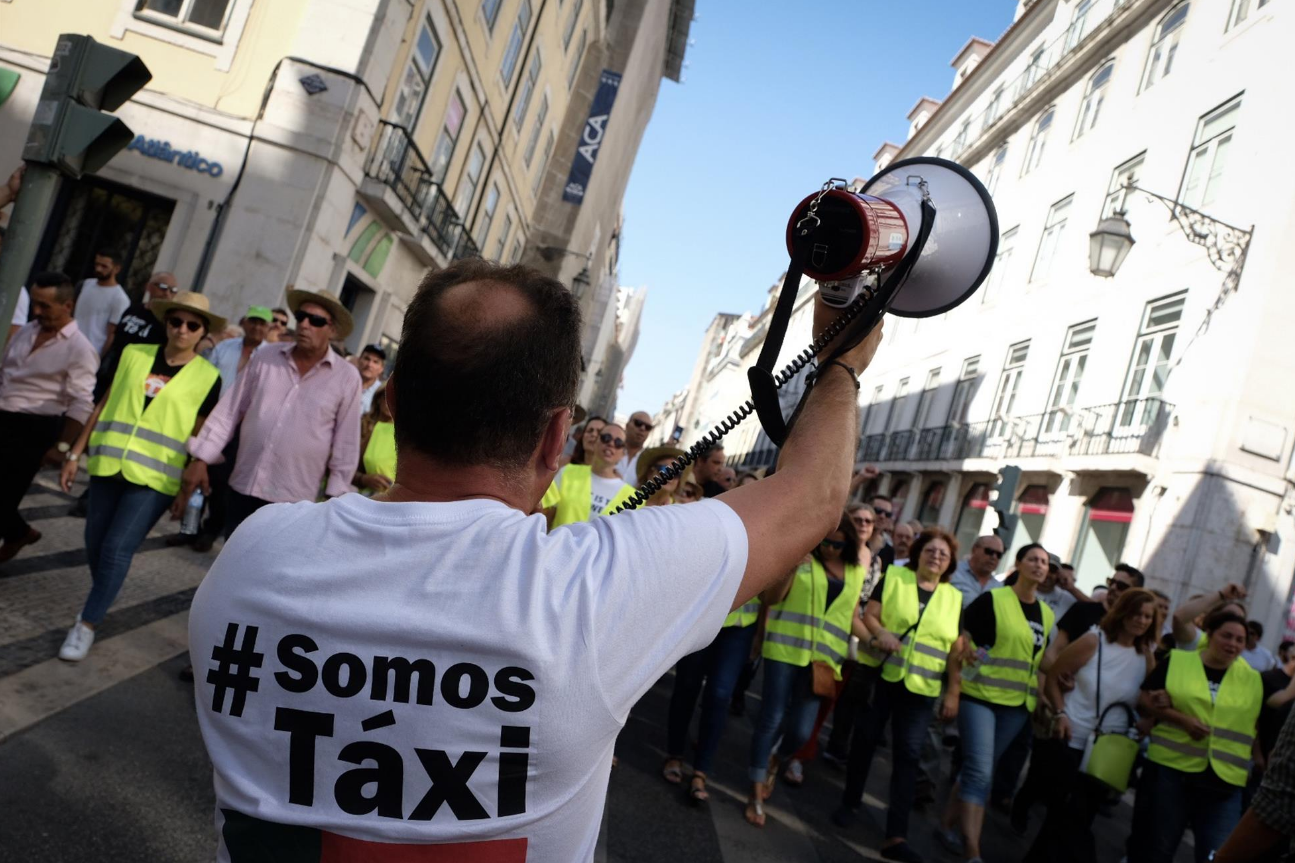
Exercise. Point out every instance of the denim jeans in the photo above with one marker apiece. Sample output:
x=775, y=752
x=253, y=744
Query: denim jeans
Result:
x=788, y=694
x=986, y=730
x=1170, y=801
x=719, y=664
x=851, y=705
x=119, y=514
x=909, y=715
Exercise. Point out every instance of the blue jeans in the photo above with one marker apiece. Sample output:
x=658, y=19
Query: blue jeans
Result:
x=909, y=716
x=986, y=730
x=1169, y=801
x=718, y=664
x=788, y=694
x=119, y=514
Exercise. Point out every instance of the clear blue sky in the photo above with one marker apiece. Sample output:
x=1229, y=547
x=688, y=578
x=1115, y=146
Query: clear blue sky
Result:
x=778, y=97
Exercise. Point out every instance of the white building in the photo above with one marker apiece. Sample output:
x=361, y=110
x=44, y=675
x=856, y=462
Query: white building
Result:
x=1150, y=412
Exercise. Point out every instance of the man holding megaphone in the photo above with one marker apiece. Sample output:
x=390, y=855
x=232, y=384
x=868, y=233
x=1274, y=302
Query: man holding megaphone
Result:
x=431, y=665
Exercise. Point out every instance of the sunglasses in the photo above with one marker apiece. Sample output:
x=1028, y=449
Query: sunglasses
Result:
x=642, y=425
x=317, y=321
x=181, y=323
x=1118, y=586
x=280, y=322
x=833, y=543
x=660, y=466
x=885, y=513
x=992, y=552
x=170, y=289
x=864, y=521
x=606, y=437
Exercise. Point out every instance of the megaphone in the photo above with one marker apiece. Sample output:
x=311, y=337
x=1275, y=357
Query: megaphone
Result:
x=860, y=237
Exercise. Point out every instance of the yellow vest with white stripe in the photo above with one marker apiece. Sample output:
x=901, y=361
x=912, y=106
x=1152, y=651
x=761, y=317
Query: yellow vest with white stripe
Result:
x=380, y=454
x=1009, y=675
x=746, y=615
x=1231, y=716
x=147, y=445
x=576, y=495
x=801, y=630
x=922, y=662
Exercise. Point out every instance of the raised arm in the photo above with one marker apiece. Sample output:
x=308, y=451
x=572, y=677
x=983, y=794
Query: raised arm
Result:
x=1184, y=615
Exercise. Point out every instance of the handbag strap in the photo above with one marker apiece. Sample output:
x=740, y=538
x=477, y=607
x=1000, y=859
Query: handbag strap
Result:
x=1100, y=637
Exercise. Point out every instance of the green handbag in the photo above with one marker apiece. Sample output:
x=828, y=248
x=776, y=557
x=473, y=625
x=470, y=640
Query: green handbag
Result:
x=1109, y=757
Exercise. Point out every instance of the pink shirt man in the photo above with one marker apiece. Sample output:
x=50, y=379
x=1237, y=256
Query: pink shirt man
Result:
x=295, y=429
x=56, y=380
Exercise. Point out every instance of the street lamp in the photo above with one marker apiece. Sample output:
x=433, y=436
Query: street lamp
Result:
x=1109, y=245
x=583, y=279
x=581, y=282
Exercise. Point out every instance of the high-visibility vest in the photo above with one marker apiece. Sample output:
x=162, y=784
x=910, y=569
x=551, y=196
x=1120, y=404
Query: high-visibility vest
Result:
x=1009, y=675
x=801, y=630
x=922, y=662
x=380, y=454
x=576, y=495
x=1231, y=715
x=147, y=445
x=745, y=615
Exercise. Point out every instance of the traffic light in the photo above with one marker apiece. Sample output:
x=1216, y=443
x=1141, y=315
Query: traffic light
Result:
x=1002, y=496
x=69, y=131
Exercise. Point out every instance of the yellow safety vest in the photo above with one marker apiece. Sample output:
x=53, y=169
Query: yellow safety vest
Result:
x=922, y=662
x=576, y=495
x=380, y=454
x=746, y=615
x=147, y=445
x=800, y=630
x=1009, y=675
x=1232, y=716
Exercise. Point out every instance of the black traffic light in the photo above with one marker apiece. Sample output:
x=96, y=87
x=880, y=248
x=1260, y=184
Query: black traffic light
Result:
x=1004, y=494
x=69, y=131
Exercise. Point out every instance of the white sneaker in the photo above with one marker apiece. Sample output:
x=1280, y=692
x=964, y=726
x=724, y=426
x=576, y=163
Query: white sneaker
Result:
x=77, y=644
x=794, y=775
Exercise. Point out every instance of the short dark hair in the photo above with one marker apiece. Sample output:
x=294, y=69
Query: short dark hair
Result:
x=1256, y=627
x=1221, y=617
x=499, y=380
x=110, y=255
x=1132, y=572
x=64, y=290
x=376, y=351
x=280, y=311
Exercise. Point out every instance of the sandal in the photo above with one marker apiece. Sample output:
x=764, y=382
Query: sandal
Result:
x=672, y=771
x=755, y=813
x=697, y=793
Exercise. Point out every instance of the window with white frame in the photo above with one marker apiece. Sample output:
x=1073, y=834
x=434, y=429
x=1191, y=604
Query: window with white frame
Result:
x=573, y=18
x=1070, y=373
x=488, y=214
x=926, y=399
x=995, y=106
x=529, y=83
x=502, y=242
x=993, y=287
x=960, y=142
x=1149, y=366
x=529, y=153
x=579, y=55
x=1120, y=177
x=514, y=49
x=964, y=391
x=418, y=71
x=1241, y=11
x=1053, y=230
x=1038, y=139
x=516, y=254
x=490, y=12
x=897, y=405
x=1078, y=23
x=205, y=18
x=1034, y=71
x=448, y=138
x=1160, y=58
x=1094, y=94
x=544, y=163
x=469, y=181
x=867, y=416
x=1008, y=384
x=996, y=168
x=1204, y=175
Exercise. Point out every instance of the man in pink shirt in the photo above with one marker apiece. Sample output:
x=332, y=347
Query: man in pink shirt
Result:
x=46, y=395
x=296, y=408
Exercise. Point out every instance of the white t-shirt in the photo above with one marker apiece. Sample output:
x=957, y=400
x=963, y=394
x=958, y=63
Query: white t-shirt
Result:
x=1059, y=600
x=628, y=468
x=21, y=308
x=96, y=308
x=507, y=660
x=366, y=395
x=1260, y=659
x=604, y=490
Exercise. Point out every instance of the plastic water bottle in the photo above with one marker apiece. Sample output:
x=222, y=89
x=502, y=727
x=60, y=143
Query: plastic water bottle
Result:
x=192, y=514
x=970, y=672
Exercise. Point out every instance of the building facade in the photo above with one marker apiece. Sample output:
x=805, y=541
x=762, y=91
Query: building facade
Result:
x=1149, y=412
x=351, y=145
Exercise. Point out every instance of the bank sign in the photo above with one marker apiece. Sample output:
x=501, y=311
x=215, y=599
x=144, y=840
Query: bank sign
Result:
x=163, y=150
x=591, y=139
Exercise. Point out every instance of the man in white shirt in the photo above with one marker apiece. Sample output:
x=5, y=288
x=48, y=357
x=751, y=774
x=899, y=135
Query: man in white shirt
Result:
x=1260, y=658
x=371, y=362
x=101, y=302
x=431, y=666
x=636, y=433
x=231, y=356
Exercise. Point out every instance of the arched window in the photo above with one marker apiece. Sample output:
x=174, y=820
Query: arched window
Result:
x=1092, y=105
x=1160, y=59
x=995, y=168
x=1038, y=138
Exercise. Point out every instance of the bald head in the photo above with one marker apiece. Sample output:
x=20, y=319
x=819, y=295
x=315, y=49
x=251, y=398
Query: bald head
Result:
x=161, y=286
x=986, y=554
x=636, y=432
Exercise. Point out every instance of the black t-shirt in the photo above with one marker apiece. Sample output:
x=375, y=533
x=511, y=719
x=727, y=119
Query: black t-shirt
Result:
x=979, y=620
x=1081, y=617
x=1159, y=677
x=834, y=587
x=887, y=556
x=710, y=488
x=162, y=372
x=1271, y=719
x=138, y=326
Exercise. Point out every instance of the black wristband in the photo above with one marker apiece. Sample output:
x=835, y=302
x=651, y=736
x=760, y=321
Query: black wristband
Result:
x=854, y=376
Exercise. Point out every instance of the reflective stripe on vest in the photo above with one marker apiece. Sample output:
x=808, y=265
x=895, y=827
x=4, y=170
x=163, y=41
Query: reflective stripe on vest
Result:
x=1009, y=675
x=576, y=495
x=1231, y=716
x=744, y=616
x=380, y=453
x=147, y=445
x=834, y=629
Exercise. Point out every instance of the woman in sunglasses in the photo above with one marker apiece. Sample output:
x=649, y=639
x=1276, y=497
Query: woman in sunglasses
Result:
x=135, y=440
x=580, y=492
x=585, y=443
x=812, y=614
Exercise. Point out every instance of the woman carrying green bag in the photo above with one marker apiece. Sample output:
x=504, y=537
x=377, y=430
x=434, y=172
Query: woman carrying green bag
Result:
x=1087, y=757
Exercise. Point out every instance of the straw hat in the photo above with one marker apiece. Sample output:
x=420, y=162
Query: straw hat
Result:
x=650, y=456
x=188, y=301
x=341, y=315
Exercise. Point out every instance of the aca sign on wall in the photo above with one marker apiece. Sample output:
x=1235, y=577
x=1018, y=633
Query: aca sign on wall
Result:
x=591, y=138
